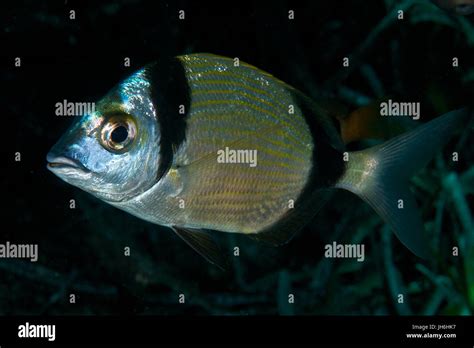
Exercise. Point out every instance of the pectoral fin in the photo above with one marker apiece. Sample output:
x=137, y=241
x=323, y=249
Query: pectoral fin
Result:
x=202, y=242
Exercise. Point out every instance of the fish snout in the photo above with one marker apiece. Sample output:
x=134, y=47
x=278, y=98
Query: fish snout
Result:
x=62, y=161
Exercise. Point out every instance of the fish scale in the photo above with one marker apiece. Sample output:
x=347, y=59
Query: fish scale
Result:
x=251, y=118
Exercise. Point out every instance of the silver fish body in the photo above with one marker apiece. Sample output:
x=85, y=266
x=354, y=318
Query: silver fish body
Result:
x=242, y=109
x=157, y=147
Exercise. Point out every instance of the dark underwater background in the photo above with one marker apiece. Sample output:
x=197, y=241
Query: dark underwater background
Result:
x=81, y=250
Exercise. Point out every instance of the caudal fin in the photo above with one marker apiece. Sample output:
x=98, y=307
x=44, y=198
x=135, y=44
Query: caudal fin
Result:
x=380, y=175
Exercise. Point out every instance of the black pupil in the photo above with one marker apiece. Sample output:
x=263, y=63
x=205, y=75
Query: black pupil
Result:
x=119, y=134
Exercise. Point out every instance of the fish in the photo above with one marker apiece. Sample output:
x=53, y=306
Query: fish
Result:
x=154, y=145
x=365, y=123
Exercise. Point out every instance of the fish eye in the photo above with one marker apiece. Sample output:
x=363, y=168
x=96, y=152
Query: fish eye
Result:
x=118, y=133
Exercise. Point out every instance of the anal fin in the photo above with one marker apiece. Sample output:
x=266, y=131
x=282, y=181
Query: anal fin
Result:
x=203, y=243
x=294, y=220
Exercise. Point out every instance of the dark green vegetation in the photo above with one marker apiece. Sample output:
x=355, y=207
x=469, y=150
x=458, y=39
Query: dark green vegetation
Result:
x=81, y=251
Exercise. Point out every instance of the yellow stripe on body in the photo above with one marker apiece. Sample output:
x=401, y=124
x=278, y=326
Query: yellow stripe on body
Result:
x=213, y=193
x=230, y=117
x=209, y=68
x=287, y=121
x=200, y=83
x=250, y=106
x=278, y=175
x=264, y=149
x=204, y=92
x=234, y=197
x=228, y=201
x=213, y=66
x=209, y=60
x=197, y=77
x=205, y=147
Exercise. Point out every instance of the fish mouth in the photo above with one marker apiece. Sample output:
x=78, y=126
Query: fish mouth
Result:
x=64, y=164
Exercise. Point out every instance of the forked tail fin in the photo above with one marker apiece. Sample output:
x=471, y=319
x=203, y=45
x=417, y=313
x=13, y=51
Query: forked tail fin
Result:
x=380, y=175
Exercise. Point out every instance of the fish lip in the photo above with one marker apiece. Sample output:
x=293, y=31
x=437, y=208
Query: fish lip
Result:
x=56, y=163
